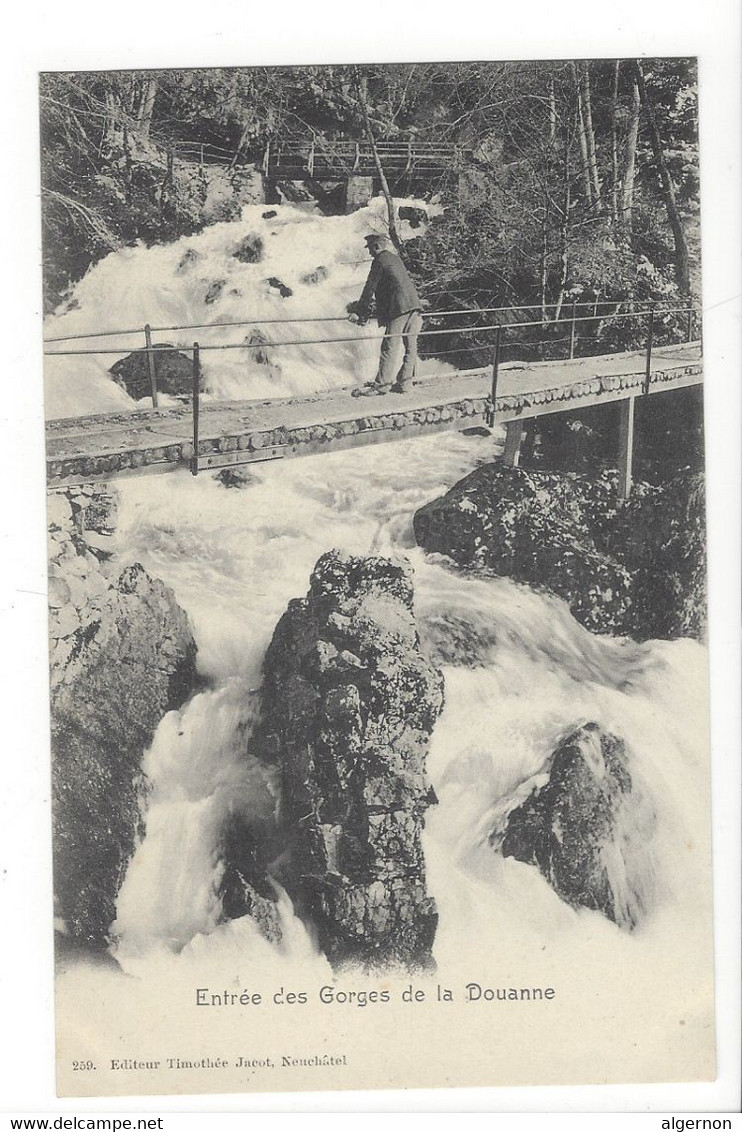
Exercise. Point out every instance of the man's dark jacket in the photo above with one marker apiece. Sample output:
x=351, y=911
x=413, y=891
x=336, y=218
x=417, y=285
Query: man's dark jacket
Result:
x=390, y=284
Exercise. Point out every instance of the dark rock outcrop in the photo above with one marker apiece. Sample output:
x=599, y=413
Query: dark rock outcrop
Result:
x=250, y=248
x=415, y=215
x=637, y=568
x=122, y=655
x=661, y=536
x=349, y=703
x=534, y=527
x=586, y=829
x=174, y=372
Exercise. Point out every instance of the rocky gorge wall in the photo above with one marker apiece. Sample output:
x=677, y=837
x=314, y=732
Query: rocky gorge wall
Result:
x=122, y=654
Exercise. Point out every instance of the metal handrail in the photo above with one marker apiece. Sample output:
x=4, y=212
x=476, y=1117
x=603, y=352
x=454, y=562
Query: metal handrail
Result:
x=370, y=337
x=336, y=318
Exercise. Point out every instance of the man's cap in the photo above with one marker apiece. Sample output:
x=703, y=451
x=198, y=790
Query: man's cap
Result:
x=377, y=239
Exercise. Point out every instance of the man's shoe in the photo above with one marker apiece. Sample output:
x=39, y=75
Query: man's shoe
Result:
x=372, y=389
x=397, y=388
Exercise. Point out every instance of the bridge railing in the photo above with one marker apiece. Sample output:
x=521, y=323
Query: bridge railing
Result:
x=320, y=157
x=679, y=321
x=589, y=315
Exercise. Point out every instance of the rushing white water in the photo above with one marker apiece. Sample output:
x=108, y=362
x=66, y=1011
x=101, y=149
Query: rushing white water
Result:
x=520, y=672
x=322, y=260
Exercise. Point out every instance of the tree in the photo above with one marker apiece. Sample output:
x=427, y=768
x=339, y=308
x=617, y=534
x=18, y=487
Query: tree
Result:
x=682, y=264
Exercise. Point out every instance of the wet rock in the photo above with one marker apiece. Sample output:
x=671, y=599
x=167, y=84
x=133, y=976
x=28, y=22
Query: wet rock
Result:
x=294, y=192
x=284, y=291
x=636, y=568
x=250, y=249
x=317, y=276
x=349, y=703
x=586, y=828
x=174, y=372
x=237, y=477
x=245, y=889
x=122, y=655
x=214, y=290
x=416, y=216
x=661, y=535
x=95, y=508
x=262, y=351
x=187, y=260
x=534, y=528
x=269, y=214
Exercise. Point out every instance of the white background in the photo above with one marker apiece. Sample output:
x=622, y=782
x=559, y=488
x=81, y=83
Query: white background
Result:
x=98, y=36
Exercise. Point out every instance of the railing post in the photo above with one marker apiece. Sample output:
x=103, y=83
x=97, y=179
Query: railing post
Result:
x=196, y=395
x=490, y=414
x=650, y=336
x=151, y=365
x=690, y=324
x=572, y=331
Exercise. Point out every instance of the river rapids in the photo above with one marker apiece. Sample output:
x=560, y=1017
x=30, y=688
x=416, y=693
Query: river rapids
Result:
x=519, y=671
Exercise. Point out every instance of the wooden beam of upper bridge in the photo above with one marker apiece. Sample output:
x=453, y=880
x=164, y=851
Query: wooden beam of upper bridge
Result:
x=83, y=449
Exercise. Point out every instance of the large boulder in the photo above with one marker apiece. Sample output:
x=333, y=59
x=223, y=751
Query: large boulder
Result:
x=349, y=703
x=173, y=372
x=586, y=829
x=122, y=655
x=535, y=527
x=637, y=568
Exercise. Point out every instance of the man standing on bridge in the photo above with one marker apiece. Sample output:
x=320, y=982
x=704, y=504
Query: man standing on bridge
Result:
x=397, y=311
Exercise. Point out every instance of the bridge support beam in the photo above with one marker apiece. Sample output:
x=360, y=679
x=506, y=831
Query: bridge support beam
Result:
x=513, y=438
x=625, y=447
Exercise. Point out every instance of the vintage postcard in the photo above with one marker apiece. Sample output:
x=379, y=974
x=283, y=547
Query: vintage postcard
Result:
x=377, y=576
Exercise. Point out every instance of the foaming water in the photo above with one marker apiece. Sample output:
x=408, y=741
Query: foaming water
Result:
x=320, y=260
x=520, y=673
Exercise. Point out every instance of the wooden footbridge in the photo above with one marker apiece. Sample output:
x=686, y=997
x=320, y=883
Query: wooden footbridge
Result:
x=203, y=435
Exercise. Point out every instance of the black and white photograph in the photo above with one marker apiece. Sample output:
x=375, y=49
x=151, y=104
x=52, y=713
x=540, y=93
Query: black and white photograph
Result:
x=377, y=575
